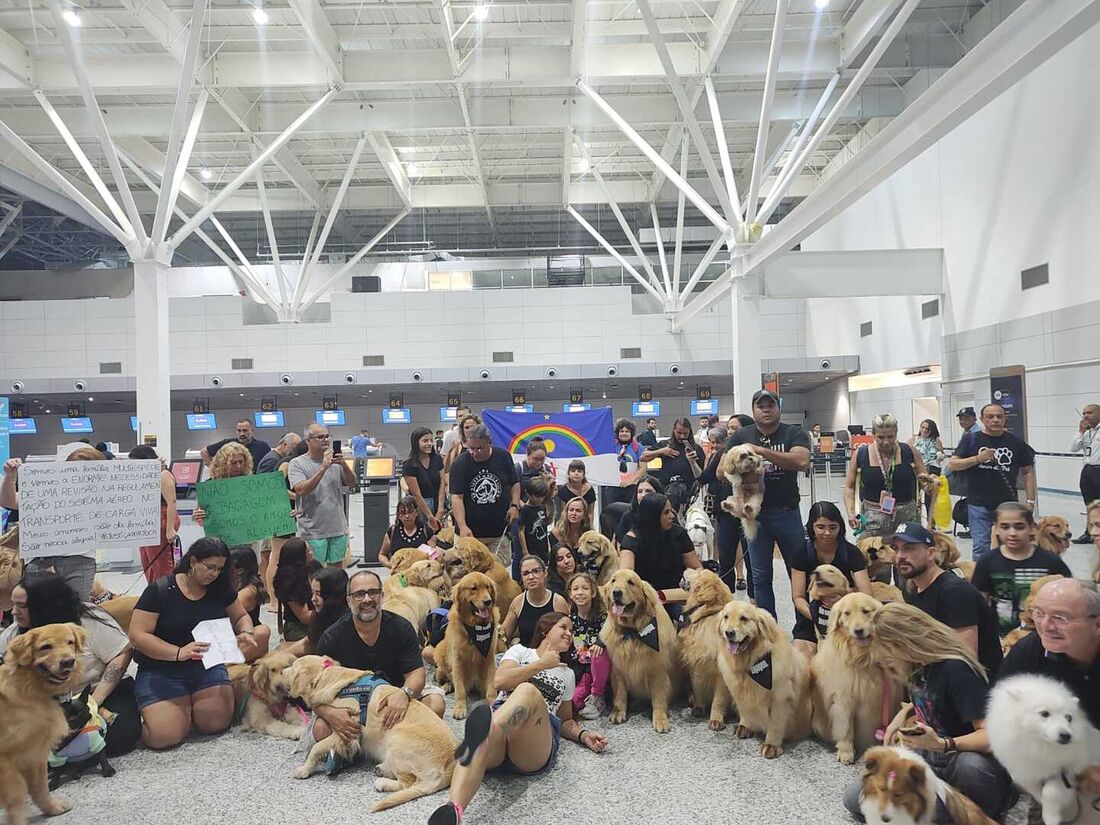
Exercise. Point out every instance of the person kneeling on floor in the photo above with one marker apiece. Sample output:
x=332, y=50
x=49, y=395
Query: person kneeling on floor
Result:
x=521, y=732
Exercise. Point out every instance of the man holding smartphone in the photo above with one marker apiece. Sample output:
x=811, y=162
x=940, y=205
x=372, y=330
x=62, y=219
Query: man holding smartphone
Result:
x=319, y=479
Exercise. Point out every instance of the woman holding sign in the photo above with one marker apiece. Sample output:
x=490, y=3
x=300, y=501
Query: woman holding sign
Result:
x=175, y=688
x=157, y=559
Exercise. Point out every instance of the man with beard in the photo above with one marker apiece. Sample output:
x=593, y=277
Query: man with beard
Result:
x=370, y=638
x=944, y=596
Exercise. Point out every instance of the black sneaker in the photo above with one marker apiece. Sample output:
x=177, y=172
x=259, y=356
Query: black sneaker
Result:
x=1084, y=538
x=477, y=731
x=445, y=814
x=963, y=534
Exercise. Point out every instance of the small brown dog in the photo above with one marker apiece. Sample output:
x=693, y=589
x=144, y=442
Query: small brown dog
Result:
x=900, y=787
x=744, y=470
x=1052, y=533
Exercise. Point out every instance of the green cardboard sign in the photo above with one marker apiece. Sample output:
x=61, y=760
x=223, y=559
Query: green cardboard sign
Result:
x=245, y=509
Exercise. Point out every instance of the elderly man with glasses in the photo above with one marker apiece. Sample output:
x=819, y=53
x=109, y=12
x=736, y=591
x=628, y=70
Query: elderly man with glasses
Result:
x=370, y=638
x=319, y=480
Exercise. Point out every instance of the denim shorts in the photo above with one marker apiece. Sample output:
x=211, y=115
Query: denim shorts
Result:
x=152, y=686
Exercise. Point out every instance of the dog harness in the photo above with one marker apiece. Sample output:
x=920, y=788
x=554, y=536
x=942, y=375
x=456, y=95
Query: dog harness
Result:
x=481, y=637
x=83, y=744
x=361, y=690
x=648, y=635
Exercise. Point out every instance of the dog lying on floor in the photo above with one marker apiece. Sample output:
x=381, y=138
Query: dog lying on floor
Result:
x=267, y=709
x=415, y=757
x=900, y=788
x=82, y=748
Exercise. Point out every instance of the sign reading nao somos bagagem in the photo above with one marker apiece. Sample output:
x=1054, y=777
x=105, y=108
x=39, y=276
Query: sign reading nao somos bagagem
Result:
x=72, y=508
x=245, y=509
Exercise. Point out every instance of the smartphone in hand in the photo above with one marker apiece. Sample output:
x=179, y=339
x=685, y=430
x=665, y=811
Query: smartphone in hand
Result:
x=336, y=447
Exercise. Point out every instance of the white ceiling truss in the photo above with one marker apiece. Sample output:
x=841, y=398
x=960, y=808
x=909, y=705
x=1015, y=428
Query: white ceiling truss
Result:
x=156, y=120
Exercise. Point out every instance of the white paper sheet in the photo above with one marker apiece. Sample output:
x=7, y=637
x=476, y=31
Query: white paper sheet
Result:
x=223, y=648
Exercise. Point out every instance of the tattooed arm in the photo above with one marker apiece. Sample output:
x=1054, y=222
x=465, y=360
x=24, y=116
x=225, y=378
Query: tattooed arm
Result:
x=112, y=675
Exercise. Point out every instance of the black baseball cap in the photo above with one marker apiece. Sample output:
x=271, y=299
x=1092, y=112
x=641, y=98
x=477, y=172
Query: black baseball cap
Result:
x=759, y=394
x=910, y=533
x=966, y=411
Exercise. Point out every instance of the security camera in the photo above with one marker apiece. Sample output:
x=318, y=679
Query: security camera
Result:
x=612, y=371
x=17, y=386
x=349, y=377
x=80, y=385
x=286, y=379
x=674, y=369
x=215, y=380
x=485, y=375
x=551, y=372
x=826, y=364
x=418, y=376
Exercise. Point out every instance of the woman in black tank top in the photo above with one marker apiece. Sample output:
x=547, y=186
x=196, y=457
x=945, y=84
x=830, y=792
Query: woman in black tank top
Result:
x=533, y=603
x=885, y=473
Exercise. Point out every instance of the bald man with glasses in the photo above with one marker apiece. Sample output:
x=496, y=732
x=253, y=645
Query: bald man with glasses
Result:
x=319, y=480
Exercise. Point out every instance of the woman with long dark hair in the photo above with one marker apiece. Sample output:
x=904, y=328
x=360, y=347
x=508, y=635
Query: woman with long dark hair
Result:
x=657, y=548
x=157, y=560
x=408, y=530
x=292, y=593
x=423, y=474
x=929, y=446
x=244, y=570
x=46, y=598
x=827, y=544
x=174, y=690
x=329, y=597
x=681, y=458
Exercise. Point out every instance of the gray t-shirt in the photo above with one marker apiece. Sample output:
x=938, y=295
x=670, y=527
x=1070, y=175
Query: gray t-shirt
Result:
x=321, y=512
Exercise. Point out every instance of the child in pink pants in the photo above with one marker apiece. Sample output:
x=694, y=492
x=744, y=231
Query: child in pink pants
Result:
x=591, y=664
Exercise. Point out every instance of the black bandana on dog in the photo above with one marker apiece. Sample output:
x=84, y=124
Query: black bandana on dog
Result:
x=761, y=671
x=481, y=637
x=590, y=566
x=648, y=635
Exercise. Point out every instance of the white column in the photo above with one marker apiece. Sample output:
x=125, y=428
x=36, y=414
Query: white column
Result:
x=151, y=343
x=746, y=342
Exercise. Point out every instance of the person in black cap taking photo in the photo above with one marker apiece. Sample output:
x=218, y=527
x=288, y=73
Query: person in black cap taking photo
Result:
x=785, y=449
x=945, y=596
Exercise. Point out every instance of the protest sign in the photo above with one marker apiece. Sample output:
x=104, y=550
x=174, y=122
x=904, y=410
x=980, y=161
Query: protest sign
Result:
x=245, y=509
x=72, y=508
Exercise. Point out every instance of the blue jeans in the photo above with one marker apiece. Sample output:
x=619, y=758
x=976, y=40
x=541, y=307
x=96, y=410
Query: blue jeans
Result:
x=774, y=526
x=981, y=525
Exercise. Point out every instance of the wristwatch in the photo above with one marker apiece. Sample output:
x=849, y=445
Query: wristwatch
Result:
x=410, y=693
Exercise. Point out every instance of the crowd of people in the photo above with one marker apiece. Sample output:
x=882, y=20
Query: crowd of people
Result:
x=942, y=640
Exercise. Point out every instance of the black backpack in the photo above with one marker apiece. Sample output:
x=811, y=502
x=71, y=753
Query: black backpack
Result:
x=960, y=514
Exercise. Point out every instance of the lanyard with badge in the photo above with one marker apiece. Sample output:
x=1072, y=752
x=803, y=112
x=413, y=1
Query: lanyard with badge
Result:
x=886, y=500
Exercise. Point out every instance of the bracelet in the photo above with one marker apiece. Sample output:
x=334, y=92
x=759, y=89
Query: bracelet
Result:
x=178, y=650
x=580, y=736
x=949, y=745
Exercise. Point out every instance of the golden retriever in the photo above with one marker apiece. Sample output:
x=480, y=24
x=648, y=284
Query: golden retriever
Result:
x=641, y=641
x=413, y=604
x=266, y=709
x=946, y=554
x=707, y=595
x=848, y=685
x=40, y=665
x=768, y=680
x=879, y=556
x=415, y=757
x=466, y=658
x=1027, y=624
x=471, y=556
x=404, y=558
x=899, y=787
x=886, y=593
x=596, y=555
x=827, y=580
x=743, y=469
x=1052, y=533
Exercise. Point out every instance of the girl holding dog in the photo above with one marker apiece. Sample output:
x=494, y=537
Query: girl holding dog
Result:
x=522, y=731
x=944, y=719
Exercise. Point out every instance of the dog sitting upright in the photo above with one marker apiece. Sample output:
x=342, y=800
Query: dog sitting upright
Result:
x=744, y=470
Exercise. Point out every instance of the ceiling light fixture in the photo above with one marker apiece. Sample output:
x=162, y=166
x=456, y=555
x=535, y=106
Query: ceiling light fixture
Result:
x=71, y=17
x=821, y=4
x=481, y=12
x=414, y=170
x=583, y=164
x=205, y=174
x=260, y=16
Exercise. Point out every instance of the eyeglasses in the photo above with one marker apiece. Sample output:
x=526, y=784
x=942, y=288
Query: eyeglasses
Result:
x=324, y=437
x=1056, y=619
x=374, y=593
x=526, y=573
x=216, y=569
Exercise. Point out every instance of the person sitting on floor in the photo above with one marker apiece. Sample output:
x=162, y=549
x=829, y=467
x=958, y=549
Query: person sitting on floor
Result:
x=533, y=603
x=563, y=566
x=329, y=597
x=46, y=598
x=522, y=730
x=590, y=663
x=244, y=570
x=174, y=690
x=292, y=590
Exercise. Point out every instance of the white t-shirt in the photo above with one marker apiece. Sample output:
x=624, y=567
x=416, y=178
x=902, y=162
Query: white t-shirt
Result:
x=106, y=640
x=556, y=684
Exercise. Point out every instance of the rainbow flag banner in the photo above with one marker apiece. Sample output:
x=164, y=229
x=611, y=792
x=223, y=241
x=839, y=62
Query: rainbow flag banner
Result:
x=587, y=435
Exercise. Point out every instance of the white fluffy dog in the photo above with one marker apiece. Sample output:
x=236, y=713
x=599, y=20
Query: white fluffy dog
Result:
x=744, y=470
x=701, y=531
x=1039, y=732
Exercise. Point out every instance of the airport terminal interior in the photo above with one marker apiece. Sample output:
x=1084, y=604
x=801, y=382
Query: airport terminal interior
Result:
x=265, y=222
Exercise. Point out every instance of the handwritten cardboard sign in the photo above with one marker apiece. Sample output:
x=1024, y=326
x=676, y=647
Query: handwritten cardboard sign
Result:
x=246, y=509
x=69, y=508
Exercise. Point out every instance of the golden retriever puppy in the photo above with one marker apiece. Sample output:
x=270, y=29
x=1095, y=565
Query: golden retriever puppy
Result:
x=40, y=665
x=880, y=557
x=596, y=555
x=743, y=469
x=415, y=757
x=707, y=595
x=768, y=680
x=471, y=556
x=467, y=655
x=642, y=643
x=413, y=604
x=848, y=685
x=266, y=709
x=1027, y=624
x=1052, y=533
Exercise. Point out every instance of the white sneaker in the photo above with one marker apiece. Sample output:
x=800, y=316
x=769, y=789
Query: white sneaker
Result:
x=594, y=707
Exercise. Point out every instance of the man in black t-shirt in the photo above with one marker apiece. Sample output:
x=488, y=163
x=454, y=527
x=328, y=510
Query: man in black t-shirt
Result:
x=945, y=596
x=484, y=488
x=992, y=459
x=370, y=638
x=256, y=448
x=785, y=449
x=648, y=438
x=681, y=459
